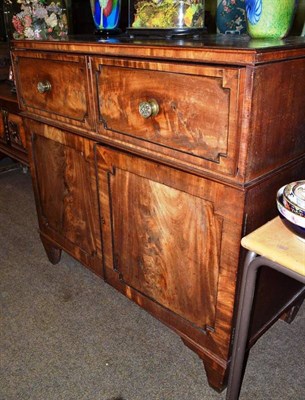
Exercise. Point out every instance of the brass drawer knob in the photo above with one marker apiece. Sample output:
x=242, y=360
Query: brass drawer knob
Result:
x=149, y=108
x=44, y=87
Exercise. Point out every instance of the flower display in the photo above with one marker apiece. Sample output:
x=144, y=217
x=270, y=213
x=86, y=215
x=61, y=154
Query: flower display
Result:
x=39, y=19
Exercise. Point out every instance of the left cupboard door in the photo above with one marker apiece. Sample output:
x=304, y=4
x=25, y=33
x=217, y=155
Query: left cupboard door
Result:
x=62, y=169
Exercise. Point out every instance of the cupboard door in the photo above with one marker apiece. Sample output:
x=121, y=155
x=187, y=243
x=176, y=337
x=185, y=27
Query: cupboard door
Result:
x=64, y=181
x=165, y=233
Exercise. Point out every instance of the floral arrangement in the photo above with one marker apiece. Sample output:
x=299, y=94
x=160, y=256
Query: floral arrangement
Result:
x=39, y=19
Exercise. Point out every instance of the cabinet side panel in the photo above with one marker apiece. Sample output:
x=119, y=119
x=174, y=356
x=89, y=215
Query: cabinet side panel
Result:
x=278, y=121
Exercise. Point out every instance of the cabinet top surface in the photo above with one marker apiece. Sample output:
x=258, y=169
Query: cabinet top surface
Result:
x=228, y=49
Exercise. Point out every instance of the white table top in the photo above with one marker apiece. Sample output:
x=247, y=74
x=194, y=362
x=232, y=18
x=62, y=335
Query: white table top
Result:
x=275, y=242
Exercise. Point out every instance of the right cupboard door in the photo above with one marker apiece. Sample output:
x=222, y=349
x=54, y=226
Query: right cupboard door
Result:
x=170, y=240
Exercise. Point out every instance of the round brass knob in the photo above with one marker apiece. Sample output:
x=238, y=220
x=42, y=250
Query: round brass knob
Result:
x=149, y=108
x=44, y=87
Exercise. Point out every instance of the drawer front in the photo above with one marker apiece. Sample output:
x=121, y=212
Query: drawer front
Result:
x=54, y=86
x=196, y=120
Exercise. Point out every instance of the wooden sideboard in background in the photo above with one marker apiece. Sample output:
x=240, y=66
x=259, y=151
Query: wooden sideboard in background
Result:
x=12, y=134
x=157, y=205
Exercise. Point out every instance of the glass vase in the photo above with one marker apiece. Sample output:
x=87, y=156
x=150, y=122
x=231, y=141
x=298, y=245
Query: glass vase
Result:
x=166, y=18
x=106, y=14
x=36, y=19
x=269, y=18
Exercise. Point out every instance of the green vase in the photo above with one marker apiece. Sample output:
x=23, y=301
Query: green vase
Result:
x=269, y=18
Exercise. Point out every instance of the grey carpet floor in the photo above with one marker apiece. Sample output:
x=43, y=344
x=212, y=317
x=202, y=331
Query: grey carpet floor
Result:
x=66, y=335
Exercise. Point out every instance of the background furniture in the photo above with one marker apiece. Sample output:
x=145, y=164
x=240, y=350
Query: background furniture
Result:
x=274, y=246
x=157, y=205
x=12, y=134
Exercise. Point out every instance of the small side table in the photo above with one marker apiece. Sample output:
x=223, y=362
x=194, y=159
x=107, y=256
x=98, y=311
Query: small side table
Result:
x=274, y=246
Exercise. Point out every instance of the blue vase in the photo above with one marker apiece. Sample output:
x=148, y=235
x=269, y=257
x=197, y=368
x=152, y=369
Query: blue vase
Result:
x=106, y=14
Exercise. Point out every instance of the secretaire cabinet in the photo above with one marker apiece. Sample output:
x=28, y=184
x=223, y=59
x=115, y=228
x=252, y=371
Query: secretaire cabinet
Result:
x=150, y=161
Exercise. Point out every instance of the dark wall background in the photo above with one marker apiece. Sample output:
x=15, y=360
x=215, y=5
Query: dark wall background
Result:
x=2, y=27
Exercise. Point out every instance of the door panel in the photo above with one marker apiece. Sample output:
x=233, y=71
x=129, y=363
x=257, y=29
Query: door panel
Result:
x=164, y=233
x=65, y=188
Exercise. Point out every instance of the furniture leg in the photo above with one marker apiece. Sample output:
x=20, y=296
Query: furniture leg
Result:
x=216, y=373
x=53, y=252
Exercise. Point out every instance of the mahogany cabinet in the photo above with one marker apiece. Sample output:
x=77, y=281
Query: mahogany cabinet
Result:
x=150, y=161
x=12, y=133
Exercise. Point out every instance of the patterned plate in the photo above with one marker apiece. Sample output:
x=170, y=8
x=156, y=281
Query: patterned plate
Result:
x=295, y=193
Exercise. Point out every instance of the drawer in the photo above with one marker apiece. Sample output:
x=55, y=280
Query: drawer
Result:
x=194, y=110
x=54, y=86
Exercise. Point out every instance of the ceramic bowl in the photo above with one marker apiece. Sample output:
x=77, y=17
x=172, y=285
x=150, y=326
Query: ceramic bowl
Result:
x=293, y=207
x=295, y=223
x=294, y=193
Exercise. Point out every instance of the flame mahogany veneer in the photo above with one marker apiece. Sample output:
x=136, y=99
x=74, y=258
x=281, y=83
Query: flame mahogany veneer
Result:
x=157, y=206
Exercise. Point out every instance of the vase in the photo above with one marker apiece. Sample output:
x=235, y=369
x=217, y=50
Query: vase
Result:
x=35, y=19
x=231, y=16
x=106, y=14
x=269, y=18
x=166, y=18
